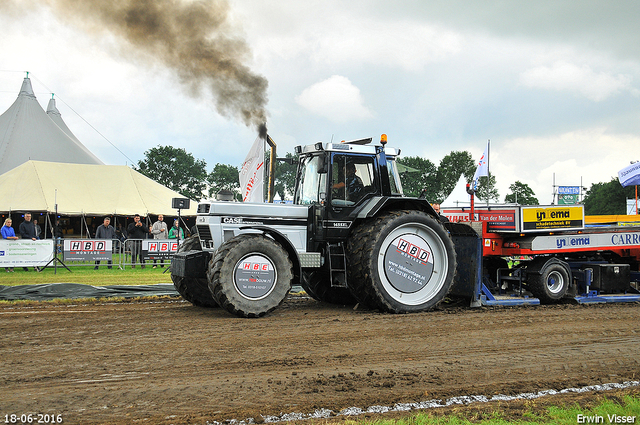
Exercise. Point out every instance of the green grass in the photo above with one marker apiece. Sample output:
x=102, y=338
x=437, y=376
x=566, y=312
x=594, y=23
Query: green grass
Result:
x=625, y=406
x=85, y=274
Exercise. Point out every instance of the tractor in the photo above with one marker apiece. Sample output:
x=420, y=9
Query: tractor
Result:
x=350, y=236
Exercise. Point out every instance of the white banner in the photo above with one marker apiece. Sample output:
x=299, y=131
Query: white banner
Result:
x=252, y=173
x=25, y=252
x=630, y=175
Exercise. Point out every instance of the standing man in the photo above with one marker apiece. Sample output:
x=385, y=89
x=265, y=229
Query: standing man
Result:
x=27, y=231
x=137, y=231
x=159, y=231
x=105, y=231
x=38, y=229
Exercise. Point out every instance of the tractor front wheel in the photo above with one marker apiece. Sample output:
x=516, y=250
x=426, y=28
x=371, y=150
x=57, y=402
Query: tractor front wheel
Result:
x=250, y=275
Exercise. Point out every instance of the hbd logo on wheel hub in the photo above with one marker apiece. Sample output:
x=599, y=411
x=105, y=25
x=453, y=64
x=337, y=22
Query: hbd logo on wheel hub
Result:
x=413, y=250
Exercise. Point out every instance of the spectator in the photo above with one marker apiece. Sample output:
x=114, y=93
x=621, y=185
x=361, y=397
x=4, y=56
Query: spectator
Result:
x=58, y=234
x=8, y=233
x=159, y=231
x=27, y=228
x=37, y=228
x=173, y=233
x=137, y=231
x=105, y=231
x=28, y=231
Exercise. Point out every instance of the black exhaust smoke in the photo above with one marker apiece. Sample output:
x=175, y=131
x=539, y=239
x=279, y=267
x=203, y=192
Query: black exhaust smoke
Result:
x=193, y=38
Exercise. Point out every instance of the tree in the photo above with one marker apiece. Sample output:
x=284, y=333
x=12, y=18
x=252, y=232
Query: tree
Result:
x=224, y=177
x=285, y=183
x=451, y=168
x=607, y=198
x=521, y=194
x=425, y=178
x=176, y=169
x=486, y=190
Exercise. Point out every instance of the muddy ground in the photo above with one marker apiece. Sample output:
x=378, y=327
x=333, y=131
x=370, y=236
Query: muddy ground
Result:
x=170, y=362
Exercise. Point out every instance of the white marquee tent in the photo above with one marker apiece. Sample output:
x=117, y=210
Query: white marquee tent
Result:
x=82, y=189
x=28, y=133
x=459, y=196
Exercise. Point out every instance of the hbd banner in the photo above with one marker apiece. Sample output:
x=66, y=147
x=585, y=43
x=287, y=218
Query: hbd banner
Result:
x=87, y=250
x=159, y=249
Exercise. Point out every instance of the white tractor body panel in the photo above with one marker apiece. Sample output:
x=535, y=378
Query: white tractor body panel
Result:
x=224, y=220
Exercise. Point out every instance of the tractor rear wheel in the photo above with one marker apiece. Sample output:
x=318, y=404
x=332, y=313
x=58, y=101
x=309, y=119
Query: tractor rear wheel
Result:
x=403, y=261
x=194, y=290
x=317, y=285
x=250, y=275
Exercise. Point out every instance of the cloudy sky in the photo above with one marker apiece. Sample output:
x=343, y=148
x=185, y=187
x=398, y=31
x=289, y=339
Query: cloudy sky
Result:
x=555, y=85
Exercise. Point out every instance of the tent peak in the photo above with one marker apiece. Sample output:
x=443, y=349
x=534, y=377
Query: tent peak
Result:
x=51, y=107
x=26, y=89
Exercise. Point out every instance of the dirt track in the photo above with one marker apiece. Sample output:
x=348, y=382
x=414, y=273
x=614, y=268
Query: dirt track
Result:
x=170, y=362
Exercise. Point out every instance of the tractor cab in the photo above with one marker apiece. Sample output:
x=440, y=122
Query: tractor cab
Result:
x=338, y=179
x=342, y=174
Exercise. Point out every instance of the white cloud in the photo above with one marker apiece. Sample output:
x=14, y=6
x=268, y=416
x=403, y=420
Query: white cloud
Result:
x=358, y=40
x=583, y=156
x=335, y=98
x=596, y=86
x=407, y=45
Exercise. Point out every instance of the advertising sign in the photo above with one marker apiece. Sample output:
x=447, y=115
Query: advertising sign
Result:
x=568, y=190
x=499, y=220
x=567, y=199
x=87, y=250
x=25, y=252
x=159, y=249
x=586, y=241
x=552, y=217
x=568, y=195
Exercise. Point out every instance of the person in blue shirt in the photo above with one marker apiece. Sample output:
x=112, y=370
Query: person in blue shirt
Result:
x=10, y=234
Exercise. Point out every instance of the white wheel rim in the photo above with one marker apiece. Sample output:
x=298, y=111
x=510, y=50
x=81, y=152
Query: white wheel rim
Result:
x=555, y=282
x=402, y=281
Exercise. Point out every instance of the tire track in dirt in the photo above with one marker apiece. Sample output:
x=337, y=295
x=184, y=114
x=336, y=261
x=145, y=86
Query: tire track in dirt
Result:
x=113, y=363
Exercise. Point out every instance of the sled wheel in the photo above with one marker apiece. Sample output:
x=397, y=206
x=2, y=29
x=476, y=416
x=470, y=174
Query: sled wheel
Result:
x=403, y=261
x=317, y=285
x=194, y=290
x=250, y=275
x=551, y=284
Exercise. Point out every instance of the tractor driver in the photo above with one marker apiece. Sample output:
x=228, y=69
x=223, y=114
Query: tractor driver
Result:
x=353, y=184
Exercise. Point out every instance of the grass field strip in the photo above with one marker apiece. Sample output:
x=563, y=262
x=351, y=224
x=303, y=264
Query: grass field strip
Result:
x=429, y=404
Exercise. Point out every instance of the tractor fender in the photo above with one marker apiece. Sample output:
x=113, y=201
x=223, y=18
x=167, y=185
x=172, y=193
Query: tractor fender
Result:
x=379, y=204
x=286, y=244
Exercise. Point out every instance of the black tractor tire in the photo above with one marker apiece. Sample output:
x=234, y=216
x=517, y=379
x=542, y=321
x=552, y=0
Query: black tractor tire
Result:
x=317, y=285
x=413, y=275
x=551, y=284
x=194, y=290
x=250, y=275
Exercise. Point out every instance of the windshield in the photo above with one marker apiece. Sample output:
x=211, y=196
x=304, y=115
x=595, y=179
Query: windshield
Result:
x=394, y=176
x=310, y=182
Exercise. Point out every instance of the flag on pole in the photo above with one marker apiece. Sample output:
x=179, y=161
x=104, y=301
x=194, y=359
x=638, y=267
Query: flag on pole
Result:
x=630, y=175
x=483, y=168
x=252, y=173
